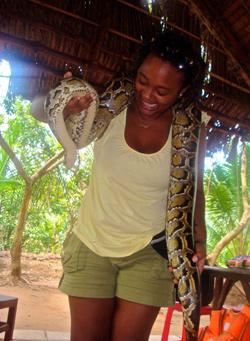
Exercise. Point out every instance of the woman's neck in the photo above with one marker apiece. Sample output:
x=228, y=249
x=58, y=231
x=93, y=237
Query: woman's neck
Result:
x=147, y=122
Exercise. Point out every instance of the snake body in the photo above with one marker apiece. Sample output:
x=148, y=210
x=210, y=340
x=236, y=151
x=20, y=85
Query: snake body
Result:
x=74, y=133
x=84, y=128
x=180, y=211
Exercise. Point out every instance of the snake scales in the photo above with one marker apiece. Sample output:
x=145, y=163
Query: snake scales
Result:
x=80, y=129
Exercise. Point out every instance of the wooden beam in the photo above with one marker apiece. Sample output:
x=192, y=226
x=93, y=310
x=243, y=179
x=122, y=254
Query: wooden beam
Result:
x=171, y=24
x=76, y=38
x=128, y=37
x=234, y=85
x=227, y=98
x=55, y=72
x=102, y=30
x=225, y=131
x=36, y=48
x=125, y=36
x=222, y=33
x=81, y=18
x=229, y=120
x=59, y=10
x=74, y=60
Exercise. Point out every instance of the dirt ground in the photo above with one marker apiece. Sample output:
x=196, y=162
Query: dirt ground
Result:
x=42, y=306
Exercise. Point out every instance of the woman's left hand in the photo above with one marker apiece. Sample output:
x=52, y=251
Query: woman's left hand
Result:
x=200, y=255
x=199, y=258
x=77, y=103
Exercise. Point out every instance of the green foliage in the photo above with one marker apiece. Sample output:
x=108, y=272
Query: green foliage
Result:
x=56, y=197
x=224, y=206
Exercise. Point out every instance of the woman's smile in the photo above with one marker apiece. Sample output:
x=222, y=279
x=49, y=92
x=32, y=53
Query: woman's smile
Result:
x=157, y=86
x=146, y=108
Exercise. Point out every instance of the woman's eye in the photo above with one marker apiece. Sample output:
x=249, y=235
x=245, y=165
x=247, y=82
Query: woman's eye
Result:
x=142, y=81
x=161, y=93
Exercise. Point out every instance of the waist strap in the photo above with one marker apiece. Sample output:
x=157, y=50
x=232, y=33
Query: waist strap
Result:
x=159, y=244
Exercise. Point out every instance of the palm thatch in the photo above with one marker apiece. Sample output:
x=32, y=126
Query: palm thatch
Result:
x=97, y=39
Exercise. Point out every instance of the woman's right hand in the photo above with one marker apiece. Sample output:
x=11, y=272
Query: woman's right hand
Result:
x=77, y=103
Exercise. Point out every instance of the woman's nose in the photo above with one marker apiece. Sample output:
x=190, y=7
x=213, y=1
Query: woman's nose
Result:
x=147, y=93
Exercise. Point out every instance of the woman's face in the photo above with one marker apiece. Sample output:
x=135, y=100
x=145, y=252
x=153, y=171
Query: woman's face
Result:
x=157, y=86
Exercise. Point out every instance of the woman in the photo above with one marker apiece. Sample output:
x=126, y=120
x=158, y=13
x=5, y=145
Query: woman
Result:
x=115, y=280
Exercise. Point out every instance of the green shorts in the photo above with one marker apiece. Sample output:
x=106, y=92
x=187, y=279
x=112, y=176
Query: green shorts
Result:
x=142, y=277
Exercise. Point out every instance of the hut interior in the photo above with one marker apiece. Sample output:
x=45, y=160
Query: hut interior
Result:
x=97, y=39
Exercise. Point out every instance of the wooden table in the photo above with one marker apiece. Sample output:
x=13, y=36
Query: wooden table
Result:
x=224, y=279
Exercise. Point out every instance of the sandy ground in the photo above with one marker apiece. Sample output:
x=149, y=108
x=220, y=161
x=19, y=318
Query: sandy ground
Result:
x=42, y=306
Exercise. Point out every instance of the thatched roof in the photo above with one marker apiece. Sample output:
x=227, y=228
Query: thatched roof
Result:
x=98, y=38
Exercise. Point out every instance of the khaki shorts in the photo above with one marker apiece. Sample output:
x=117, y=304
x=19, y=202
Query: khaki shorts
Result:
x=142, y=277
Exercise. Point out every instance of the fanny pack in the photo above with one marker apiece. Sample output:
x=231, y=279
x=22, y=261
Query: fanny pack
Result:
x=159, y=244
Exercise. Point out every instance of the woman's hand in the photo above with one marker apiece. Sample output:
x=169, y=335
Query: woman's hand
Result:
x=199, y=258
x=77, y=103
x=200, y=255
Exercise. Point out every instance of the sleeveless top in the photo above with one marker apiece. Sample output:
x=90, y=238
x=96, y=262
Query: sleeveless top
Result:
x=125, y=204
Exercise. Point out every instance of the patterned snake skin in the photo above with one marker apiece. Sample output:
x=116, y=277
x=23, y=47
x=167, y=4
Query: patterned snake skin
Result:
x=81, y=129
x=180, y=211
x=84, y=128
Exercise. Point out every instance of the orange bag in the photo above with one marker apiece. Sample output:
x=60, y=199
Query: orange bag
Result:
x=227, y=325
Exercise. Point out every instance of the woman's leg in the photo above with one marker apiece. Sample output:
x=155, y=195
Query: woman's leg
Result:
x=132, y=321
x=91, y=318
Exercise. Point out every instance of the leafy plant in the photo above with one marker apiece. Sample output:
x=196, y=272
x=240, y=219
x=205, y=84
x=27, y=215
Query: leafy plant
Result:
x=55, y=197
x=224, y=206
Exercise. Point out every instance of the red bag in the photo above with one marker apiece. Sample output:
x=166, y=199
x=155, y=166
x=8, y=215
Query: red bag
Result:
x=227, y=325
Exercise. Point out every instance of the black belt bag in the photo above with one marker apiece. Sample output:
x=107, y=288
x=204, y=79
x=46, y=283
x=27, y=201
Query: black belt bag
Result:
x=159, y=244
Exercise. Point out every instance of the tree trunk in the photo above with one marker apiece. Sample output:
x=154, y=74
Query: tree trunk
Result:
x=16, y=248
x=245, y=219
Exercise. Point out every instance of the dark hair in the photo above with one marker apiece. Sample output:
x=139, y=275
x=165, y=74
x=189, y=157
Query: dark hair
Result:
x=179, y=52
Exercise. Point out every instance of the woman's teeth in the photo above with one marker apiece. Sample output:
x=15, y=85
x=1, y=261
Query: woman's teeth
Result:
x=149, y=106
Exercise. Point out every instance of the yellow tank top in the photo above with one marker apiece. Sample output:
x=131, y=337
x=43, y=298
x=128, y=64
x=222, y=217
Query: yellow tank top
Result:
x=125, y=204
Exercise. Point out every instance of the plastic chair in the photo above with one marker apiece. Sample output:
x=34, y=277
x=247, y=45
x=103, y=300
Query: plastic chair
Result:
x=165, y=334
x=8, y=326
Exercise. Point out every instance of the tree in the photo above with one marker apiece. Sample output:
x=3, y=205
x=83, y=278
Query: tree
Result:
x=29, y=183
x=32, y=170
x=227, y=208
x=16, y=136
